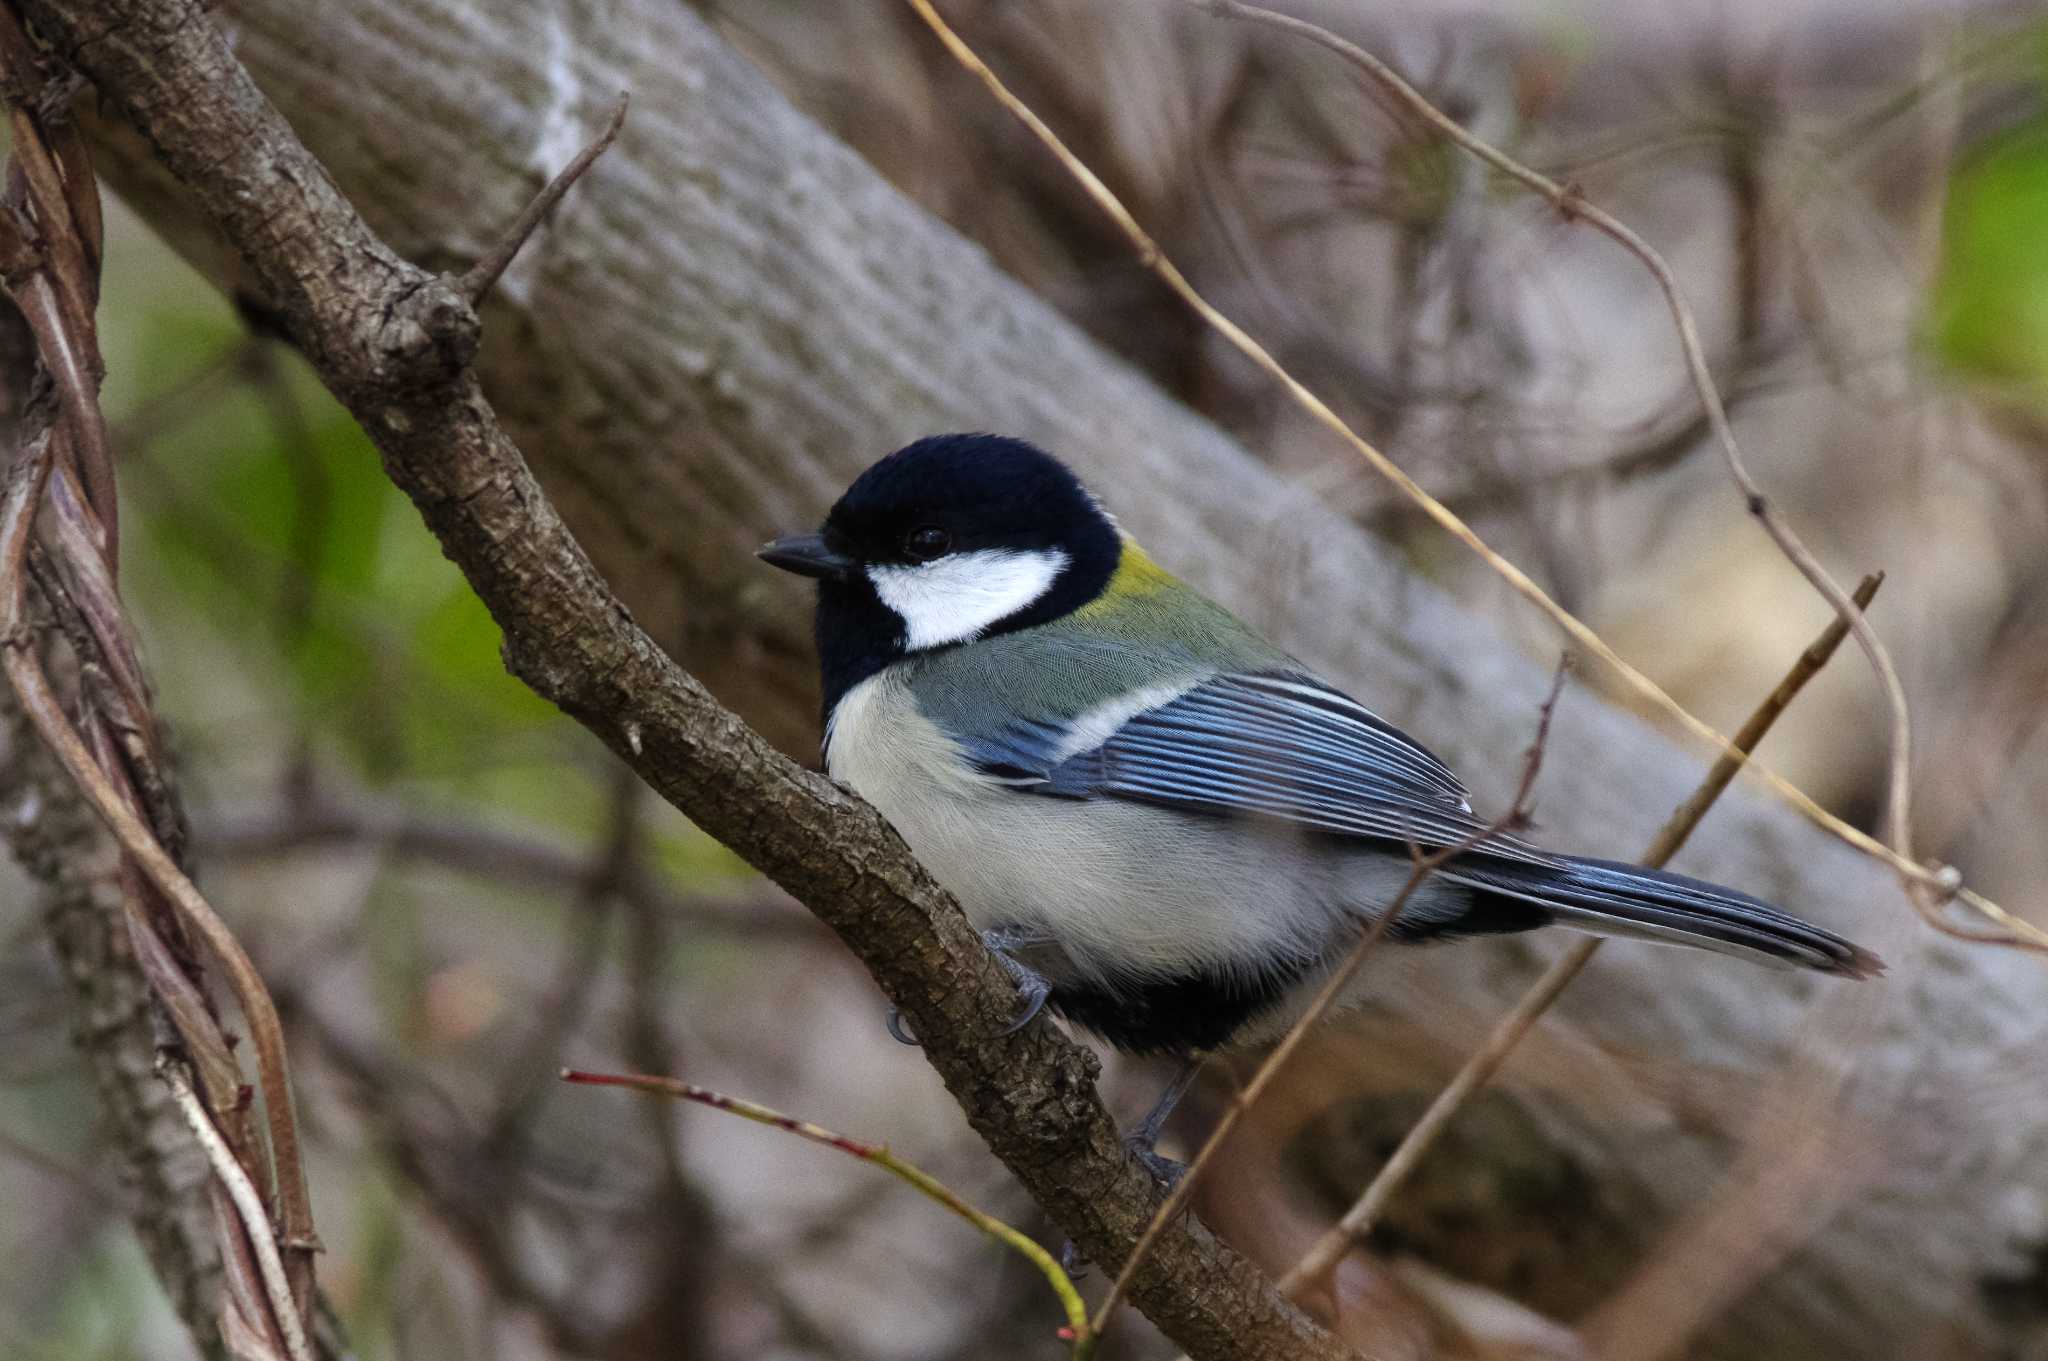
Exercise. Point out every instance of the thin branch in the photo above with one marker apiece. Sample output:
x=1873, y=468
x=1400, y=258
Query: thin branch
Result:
x=50, y=255
x=586, y=926
x=1078, y=1330
x=1326, y=997
x=394, y=343
x=325, y=821
x=477, y=282
x=249, y=1204
x=1926, y=895
x=1322, y=1258
x=1942, y=882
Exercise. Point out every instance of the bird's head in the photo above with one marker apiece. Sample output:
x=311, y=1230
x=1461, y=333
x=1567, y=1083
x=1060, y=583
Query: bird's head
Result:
x=950, y=539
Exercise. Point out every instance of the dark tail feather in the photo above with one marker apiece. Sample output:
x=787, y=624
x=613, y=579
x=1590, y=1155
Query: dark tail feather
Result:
x=1607, y=898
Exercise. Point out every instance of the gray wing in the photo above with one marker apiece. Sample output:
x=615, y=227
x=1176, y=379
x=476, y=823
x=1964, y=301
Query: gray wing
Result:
x=1279, y=745
x=1283, y=745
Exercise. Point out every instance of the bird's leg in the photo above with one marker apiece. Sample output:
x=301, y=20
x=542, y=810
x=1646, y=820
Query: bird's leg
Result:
x=1034, y=986
x=1143, y=1140
x=1140, y=1141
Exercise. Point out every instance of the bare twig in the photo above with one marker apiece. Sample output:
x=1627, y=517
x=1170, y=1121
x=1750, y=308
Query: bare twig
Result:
x=352, y=822
x=1479, y=1069
x=1940, y=884
x=394, y=343
x=50, y=252
x=1326, y=997
x=249, y=1204
x=477, y=282
x=1926, y=895
x=1078, y=1329
x=50, y=174
x=585, y=929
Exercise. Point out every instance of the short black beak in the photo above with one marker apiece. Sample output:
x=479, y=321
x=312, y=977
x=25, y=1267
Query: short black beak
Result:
x=807, y=556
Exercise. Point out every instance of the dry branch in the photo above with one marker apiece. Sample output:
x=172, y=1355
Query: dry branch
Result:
x=1079, y=1331
x=1928, y=888
x=1316, y=1265
x=50, y=251
x=394, y=343
x=249, y=1204
x=58, y=839
x=735, y=315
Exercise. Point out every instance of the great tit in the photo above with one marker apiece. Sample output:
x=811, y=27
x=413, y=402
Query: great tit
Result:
x=1166, y=827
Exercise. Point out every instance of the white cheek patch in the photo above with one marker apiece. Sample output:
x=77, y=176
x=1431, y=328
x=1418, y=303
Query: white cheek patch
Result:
x=956, y=597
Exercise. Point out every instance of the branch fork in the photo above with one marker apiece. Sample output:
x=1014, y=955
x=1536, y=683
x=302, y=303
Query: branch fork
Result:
x=164, y=67
x=477, y=281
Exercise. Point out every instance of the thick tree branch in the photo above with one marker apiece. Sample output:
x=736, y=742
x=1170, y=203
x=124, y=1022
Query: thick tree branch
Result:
x=735, y=314
x=394, y=343
x=50, y=250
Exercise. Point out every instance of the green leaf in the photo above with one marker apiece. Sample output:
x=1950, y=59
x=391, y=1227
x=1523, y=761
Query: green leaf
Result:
x=1990, y=306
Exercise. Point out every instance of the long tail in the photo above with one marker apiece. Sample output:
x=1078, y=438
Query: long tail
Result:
x=1607, y=898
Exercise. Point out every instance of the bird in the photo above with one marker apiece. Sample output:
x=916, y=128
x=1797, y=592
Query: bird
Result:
x=1166, y=828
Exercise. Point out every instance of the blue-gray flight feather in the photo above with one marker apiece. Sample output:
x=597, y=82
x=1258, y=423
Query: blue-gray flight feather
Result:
x=1279, y=745
x=1283, y=745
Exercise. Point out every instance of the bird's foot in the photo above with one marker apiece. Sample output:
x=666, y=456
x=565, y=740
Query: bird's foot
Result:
x=1166, y=1171
x=1143, y=1142
x=1033, y=987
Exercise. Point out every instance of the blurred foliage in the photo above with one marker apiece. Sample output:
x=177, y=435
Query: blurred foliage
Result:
x=1990, y=303
x=298, y=618
x=258, y=516
x=304, y=633
x=258, y=512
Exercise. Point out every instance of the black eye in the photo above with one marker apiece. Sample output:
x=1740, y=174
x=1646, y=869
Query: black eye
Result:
x=926, y=542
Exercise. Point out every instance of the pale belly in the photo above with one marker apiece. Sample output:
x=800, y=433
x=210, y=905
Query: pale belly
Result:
x=1126, y=890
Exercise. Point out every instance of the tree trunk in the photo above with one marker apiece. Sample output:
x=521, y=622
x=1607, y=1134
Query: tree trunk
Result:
x=733, y=315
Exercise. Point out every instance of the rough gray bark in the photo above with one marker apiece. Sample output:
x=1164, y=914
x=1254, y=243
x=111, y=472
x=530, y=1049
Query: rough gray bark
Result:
x=58, y=840
x=394, y=344
x=734, y=314
x=52, y=833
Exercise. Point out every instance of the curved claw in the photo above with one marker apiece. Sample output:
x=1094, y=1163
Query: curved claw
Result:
x=1035, y=992
x=1166, y=1171
x=898, y=1031
x=1031, y=984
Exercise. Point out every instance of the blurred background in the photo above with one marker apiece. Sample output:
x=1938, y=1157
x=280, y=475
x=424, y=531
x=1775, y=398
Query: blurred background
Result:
x=452, y=891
